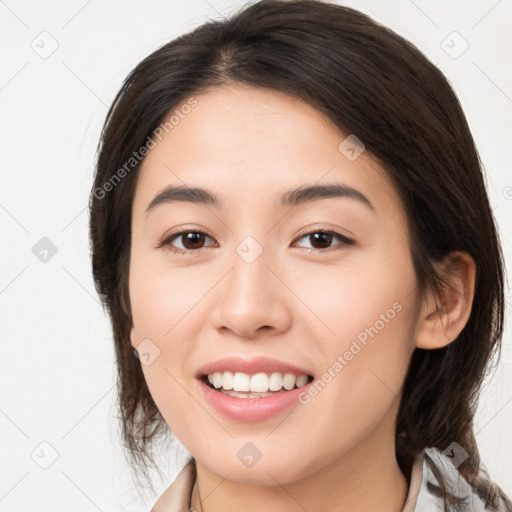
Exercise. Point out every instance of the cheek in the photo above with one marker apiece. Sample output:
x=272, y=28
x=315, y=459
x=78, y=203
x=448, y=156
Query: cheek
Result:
x=358, y=300
x=166, y=310
x=364, y=338
x=163, y=299
x=359, y=387
x=368, y=359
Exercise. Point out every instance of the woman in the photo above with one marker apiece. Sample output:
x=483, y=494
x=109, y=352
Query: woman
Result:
x=290, y=231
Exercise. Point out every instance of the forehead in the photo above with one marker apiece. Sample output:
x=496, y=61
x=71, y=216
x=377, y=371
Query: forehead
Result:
x=242, y=141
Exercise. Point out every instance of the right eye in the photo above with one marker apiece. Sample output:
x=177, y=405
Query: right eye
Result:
x=192, y=240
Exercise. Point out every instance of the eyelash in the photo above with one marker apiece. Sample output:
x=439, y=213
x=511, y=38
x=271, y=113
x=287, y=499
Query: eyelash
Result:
x=166, y=242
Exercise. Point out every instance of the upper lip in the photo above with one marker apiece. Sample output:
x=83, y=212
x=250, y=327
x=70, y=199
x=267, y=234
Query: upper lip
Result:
x=250, y=366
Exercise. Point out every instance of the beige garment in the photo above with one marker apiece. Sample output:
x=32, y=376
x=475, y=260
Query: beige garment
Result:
x=177, y=497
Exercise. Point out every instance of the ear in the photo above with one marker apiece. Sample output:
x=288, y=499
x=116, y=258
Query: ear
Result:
x=442, y=319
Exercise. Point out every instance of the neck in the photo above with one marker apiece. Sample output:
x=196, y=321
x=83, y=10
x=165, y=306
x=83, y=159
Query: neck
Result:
x=367, y=478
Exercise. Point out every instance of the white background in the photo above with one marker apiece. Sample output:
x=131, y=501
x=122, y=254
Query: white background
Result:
x=57, y=362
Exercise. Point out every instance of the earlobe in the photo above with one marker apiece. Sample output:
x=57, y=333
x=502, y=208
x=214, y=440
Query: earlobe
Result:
x=443, y=318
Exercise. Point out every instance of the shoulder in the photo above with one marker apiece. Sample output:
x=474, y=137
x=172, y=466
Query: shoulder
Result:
x=178, y=495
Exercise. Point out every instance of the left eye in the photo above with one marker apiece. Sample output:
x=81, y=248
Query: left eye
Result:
x=324, y=238
x=194, y=240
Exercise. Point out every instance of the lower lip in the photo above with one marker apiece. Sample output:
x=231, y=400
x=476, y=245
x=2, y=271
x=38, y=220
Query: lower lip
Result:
x=251, y=409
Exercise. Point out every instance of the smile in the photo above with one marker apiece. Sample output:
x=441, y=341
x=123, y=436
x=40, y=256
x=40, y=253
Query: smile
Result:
x=247, y=404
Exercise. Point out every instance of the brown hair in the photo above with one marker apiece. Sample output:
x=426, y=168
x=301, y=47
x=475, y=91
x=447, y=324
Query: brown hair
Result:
x=369, y=82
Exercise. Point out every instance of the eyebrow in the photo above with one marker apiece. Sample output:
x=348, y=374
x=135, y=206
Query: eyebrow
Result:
x=293, y=197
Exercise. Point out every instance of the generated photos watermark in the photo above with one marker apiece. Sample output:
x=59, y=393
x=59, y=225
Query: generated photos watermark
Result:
x=137, y=156
x=356, y=346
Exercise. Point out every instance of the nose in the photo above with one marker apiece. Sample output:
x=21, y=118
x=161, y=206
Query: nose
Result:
x=253, y=299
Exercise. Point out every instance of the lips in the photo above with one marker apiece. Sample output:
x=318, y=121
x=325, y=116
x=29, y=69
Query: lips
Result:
x=250, y=409
x=251, y=366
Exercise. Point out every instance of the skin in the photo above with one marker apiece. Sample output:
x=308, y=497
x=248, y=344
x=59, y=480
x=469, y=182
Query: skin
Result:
x=295, y=303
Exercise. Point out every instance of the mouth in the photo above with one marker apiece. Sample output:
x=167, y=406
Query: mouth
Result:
x=253, y=397
x=260, y=385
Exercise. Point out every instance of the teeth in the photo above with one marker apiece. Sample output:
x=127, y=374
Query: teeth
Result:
x=257, y=383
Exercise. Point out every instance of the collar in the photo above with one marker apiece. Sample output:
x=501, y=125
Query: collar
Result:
x=424, y=494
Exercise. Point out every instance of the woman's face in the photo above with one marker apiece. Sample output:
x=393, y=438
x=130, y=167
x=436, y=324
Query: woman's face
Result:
x=268, y=280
